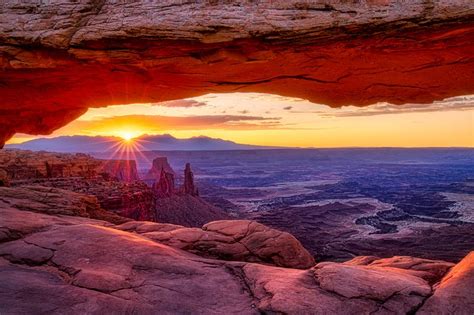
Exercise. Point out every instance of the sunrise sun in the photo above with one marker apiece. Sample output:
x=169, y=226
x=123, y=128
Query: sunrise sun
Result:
x=127, y=135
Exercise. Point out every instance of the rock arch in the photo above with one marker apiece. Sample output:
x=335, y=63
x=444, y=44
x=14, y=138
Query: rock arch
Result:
x=57, y=60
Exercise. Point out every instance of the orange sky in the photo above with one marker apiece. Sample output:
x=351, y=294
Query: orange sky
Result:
x=265, y=119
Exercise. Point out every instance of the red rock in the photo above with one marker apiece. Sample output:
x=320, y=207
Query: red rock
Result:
x=26, y=165
x=62, y=57
x=187, y=210
x=361, y=260
x=24, y=253
x=114, y=183
x=4, y=180
x=164, y=187
x=159, y=164
x=430, y=270
x=240, y=240
x=453, y=295
x=141, y=227
x=57, y=263
x=189, y=188
x=122, y=170
x=180, y=206
x=398, y=293
x=131, y=200
x=56, y=201
x=333, y=289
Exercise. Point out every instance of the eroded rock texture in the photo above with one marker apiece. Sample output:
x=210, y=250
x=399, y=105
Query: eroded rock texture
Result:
x=114, y=183
x=189, y=187
x=158, y=165
x=164, y=187
x=187, y=210
x=123, y=170
x=240, y=240
x=50, y=200
x=60, y=58
x=449, y=295
x=56, y=263
x=23, y=165
x=179, y=205
x=26, y=165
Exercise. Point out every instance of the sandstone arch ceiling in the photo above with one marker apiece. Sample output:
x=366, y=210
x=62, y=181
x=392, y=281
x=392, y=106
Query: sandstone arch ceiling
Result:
x=59, y=59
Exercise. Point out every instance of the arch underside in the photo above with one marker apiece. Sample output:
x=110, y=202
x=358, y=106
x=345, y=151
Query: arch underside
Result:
x=43, y=88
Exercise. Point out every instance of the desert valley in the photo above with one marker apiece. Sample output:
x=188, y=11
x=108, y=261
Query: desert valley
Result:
x=242, y=207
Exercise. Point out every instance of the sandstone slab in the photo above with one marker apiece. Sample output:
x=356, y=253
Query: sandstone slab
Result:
x=54, y=261
x=240, y=240
x=453, y=295
x=430, y=270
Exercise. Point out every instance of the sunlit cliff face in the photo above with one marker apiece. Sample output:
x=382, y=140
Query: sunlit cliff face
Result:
x=266, y=119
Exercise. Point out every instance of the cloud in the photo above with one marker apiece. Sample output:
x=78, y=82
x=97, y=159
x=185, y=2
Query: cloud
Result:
x=288, y=107
x=460, y=103
x=156, y=123
x=186, y=103
x=388, y=109
x=254, y=126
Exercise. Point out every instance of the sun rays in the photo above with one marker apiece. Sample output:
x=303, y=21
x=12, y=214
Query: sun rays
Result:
x=128, y=147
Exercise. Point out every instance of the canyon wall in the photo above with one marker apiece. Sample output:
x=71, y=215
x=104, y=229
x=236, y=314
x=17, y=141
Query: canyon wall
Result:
x=180, y=205
x=26, y=165
x=114, y=183
x=58, y=59
x=122, y=170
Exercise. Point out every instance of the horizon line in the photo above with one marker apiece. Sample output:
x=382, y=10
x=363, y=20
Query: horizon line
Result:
x=257, y=146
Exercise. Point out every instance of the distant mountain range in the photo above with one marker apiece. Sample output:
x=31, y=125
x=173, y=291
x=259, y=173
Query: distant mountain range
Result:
x=97, y=144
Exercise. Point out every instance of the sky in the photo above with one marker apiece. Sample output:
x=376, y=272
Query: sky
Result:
x=265, y=119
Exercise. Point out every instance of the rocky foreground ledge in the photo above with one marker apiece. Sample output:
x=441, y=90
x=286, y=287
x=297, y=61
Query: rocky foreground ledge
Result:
x=62, y=259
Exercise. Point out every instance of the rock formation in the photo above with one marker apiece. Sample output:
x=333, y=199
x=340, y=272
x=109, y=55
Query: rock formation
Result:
x=163, y=179
x=187, y=210
x=122, y=170
x=26, y=165
x=427, y=269
x=189, y=188
x=240, y=240
x=181, y=206
x=62, y=57
x=159, y=165
x=450, y=293
x=4, y=180
x=164, y=187
x=55, y=201
x=113, y=182
x=131, y=200
x=55, y=262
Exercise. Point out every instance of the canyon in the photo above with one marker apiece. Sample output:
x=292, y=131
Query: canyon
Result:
x=54, y=233
x=347, y=202
x=52, y=259
x=328, y=52
x=114, y=183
